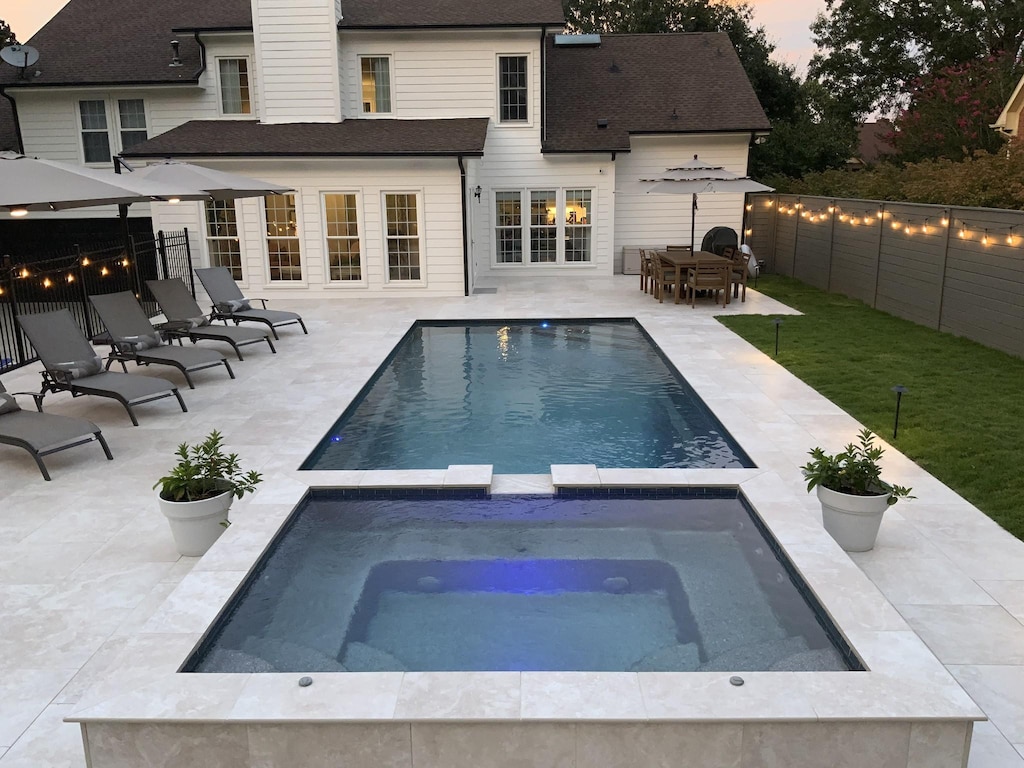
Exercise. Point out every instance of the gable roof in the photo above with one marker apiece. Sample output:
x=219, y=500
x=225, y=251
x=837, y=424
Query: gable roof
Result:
x=350, y=138
x=417, y=14
x=655, y=84
x=101, y=42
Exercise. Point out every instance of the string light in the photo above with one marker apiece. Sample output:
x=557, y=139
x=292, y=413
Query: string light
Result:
x=750, y=206
x=895, y=224
x=104, y=271
x=984, y=238
x=963, y=233
x=47, y=282
x=70, y=278
x=85, y=262
x=945, y=221
x=24, y=273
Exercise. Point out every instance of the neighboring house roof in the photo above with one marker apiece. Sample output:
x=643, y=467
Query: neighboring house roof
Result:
x=653, y=84
x=1008, y=121
x=411, y=14
x=872, y=142
x=100, y=42
x=8, y=134
x=350, y=138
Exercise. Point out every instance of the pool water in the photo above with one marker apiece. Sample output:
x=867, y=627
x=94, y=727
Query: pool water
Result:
x=627, y=582
x=523, y=396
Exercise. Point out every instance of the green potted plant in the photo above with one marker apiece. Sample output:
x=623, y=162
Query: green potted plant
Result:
x=197, y=493
x=852, y=493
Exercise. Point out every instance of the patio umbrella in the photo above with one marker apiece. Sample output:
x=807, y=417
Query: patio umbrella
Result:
x=697, y=177
x=217, y=184
x=34, y=184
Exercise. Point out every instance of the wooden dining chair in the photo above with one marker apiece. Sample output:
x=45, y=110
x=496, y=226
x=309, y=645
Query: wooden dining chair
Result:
x=708, y=276
x=740, y=271
x=646, y=269
x=663, y=276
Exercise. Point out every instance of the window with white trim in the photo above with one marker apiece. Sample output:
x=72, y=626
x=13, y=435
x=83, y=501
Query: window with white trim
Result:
x=235, y=96
x=95, y=134
x=578, y=225
x=558, y=230
x=403, y=236
x=508, y=230
x=131, y=118
x=344, y=257
x=284, y=255
x=375, y=72
x=222, y=236
x=512, y=89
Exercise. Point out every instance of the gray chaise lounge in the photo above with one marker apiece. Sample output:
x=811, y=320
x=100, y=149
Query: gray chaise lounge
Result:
x=133, y=337
x=43, y=433
x=230, y=304
x=186, y=318
x=73, y=366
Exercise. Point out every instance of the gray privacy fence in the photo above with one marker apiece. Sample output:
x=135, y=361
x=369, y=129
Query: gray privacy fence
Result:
x=66, y=280
x=959, y=270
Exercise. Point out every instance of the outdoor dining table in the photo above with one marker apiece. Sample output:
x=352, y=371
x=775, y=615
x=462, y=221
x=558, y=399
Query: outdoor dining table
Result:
x=684, y=260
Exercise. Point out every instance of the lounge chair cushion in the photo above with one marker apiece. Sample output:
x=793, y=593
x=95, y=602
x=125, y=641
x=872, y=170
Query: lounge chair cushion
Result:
x=77, y=369
x=199, y=322
x=8, y=404
x=144, y=341
x=233, y=305
x=45, y=431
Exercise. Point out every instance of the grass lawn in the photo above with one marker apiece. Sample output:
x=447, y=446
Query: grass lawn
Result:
x=963, y=417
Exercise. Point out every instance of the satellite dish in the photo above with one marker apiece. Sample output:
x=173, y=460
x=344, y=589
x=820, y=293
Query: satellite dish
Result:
x=19, y=55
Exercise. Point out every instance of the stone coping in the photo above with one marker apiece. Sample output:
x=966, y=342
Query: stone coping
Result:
x=904, y=680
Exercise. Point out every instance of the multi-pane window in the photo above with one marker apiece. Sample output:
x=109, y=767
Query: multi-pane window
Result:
x=343, y=256
x=578, y=225
x=512, y=92
x=95, y=137
x=508, y=231
x=543, y=227
x=403, y=236
x=132, y=118
x=376, y=79
x=234, y=87
x=222, y=236
x=283, y=253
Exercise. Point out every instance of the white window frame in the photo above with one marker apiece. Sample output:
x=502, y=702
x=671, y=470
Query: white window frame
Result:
x=420, y=236
x=265, y=237
x=523, y=213
x=112, y=112
x=363, y=280
x=561, y=227
x=207, y=237
x=528, y=122
x=391, y=84
x=220, y=87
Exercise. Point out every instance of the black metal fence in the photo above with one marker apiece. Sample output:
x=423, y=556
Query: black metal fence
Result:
x=65, y=280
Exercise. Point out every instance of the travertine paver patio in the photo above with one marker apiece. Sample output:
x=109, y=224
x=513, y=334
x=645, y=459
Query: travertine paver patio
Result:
x=87, y=559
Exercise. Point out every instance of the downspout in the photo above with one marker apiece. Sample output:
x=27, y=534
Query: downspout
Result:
x=543, y=84
x=17, y=123
x=465, y=229
x=202, y=54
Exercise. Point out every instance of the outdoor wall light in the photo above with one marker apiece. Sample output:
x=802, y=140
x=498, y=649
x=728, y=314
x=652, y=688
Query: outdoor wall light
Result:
x=477, y=191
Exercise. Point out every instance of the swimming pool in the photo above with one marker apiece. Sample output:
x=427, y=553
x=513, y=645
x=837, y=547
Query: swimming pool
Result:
x=523, y=395
x=672, y=580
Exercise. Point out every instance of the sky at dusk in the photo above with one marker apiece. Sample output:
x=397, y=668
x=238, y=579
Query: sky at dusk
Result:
x=785, y=21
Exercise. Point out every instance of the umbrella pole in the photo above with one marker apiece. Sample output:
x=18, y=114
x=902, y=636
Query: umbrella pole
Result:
x=693, y=224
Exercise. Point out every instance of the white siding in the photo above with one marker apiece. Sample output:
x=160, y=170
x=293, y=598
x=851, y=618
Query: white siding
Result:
x=655, y=220
x=435, y=181
x=442, y=74
x=297, y=60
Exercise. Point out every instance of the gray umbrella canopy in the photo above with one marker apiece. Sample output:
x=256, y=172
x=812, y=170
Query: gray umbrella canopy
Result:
x=697, y=177
x=34, y=184
x=217, y=184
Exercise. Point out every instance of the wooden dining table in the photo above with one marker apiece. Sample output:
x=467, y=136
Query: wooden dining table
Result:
x=684, y=260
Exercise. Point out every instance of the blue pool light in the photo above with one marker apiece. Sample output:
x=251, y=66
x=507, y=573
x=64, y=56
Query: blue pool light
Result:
x=336, y=439
x=545, y=325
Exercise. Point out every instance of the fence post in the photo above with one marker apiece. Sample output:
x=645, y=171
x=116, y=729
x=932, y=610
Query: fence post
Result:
x=19, y=339
x=161, y=246
x=878, y=254
x=87, y=319
x=188, y=263
x=831, y=243
x=948, y=212
x=796, y=233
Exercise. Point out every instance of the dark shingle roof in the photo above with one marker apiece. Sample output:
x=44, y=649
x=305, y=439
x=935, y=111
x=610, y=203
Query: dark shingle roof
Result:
x=375, y=14
x=665, y=83
x=8, y=134
x=125, y=41
x=351, y=138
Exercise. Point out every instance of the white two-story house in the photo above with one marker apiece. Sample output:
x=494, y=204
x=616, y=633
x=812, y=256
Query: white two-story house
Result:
x=434, y=146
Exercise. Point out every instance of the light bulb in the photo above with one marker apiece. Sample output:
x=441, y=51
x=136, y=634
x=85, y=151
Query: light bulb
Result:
x=945, y=221
x=895, y=225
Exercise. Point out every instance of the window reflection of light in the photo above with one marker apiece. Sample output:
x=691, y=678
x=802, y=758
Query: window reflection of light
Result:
x=504, y=343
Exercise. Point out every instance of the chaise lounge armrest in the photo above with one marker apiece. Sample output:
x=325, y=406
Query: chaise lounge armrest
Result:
x=37, y=396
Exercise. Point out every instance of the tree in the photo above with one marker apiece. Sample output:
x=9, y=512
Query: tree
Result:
x=950, y=111
x=871, y=50
x=6, y=35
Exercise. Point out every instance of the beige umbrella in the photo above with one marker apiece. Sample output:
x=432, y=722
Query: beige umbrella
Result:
x=219, y=185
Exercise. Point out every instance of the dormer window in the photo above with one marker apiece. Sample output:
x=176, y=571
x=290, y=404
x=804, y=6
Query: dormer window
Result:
x=376, y=79
x=512, y=89
x=235, y=96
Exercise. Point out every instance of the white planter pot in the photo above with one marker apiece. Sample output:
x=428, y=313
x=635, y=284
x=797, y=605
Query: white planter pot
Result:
x=195, y=525
x=853, y=521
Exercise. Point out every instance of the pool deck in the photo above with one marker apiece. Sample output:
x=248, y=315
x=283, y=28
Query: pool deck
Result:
x=88, y=561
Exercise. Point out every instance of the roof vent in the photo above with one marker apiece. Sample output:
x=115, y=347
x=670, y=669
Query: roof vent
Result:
x=602, y=123
x=614, y=68
x=676, y=117
x=176, y=55
x=577, y=40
